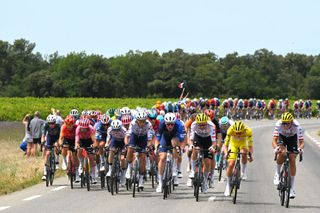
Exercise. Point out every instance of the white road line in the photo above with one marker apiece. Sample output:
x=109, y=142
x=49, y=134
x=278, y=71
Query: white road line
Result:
x=211, y=198
x=58, y=188
x=312, y=139
x=32, y=197
x=4, y=207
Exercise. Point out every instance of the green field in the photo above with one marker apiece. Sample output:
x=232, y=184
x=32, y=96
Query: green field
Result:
x=14, y=109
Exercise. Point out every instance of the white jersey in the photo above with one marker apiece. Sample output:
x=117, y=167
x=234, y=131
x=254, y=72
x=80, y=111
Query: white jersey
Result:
x=137, y=130
x=118, y=135
x=295, y=129
x=209, y=130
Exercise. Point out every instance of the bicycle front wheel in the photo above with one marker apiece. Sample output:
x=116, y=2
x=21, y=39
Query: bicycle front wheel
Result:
x=134, y=179
x=287, y=192
x=87, y=173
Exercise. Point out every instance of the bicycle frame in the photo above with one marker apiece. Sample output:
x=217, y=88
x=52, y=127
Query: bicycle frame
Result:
x=167, y=180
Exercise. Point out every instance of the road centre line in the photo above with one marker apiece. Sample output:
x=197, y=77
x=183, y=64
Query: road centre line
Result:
x=4, y=207
x=32, y=197
x=58, y=188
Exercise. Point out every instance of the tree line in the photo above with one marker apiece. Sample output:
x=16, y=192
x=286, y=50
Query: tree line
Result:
x=150, y=74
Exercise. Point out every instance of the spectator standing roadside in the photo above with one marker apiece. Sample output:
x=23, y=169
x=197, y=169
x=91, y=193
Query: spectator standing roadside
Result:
x=35, y=130
x=27, y=137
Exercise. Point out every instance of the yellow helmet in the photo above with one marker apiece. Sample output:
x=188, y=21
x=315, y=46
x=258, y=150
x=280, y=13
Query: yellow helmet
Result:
x=238, y=126
x=201, y=118
x=286, y=117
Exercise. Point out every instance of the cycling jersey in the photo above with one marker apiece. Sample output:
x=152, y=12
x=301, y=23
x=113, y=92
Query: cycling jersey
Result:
x=139, y=135
x=289, y=137
x=84, y=134
x=52, y=134
x=208, y=130
x=164, y=136
x=118, y=135
x=68, y=133
x=235, y=141
x=295, y=129
x=101, y=131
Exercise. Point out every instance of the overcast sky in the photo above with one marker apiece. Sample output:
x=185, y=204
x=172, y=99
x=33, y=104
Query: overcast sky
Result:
x=113, y=27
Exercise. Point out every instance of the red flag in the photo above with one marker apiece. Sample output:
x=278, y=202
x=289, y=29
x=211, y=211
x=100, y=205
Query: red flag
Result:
x=181, y=85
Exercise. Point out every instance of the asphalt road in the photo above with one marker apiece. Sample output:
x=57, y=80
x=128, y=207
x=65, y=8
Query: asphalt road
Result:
x=257, y=194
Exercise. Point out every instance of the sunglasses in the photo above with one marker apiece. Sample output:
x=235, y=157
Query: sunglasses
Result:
x=202, y=125
x=238, y=133
x=286, y=124
x=169, y=124
x=51, y=123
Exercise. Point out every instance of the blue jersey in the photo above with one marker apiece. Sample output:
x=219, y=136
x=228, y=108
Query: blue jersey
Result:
x=176, y=132
x=101, y=131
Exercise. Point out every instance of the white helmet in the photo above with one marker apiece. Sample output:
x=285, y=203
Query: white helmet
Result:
x=141, y=115
x=116, y=124
x=51, y=118
x=162, y=112
x=170, y=118
x=74, y=112
x=125, y=111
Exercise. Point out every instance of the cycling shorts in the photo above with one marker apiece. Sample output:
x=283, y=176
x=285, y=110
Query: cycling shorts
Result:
x=290, y=142
x=116, y=144
x=51, y=139
x=140, y=141
x=203, y=143
x=85, y=142
x=70, y=143
x=234, y=146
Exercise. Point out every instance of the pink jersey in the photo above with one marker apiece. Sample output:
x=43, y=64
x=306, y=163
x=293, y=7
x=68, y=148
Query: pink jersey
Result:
x=84, y=135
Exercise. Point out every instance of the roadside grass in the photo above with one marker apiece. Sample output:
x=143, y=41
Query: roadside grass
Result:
x=16, y=171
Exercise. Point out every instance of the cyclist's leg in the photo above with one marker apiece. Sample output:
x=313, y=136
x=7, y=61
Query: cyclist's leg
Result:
x=231, y=163
x=162, y=161
x=112, y=148
x=64, y=152
x=244, y=160
x=292, y=146
x=132, y=143
x=101, y=145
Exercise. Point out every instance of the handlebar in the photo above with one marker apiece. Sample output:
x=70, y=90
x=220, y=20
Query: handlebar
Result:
x=289, y=153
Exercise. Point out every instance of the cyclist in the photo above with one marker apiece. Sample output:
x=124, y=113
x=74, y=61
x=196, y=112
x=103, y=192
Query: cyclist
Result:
x=224, y=124
x=116, y=135
x=126, y=120
x=85, y=137
x=50, y=134
x=288, y=132
x=169, y=134
x=238, y=136
x=212, y=118
x=67, y=139
x=137, y=135
x=203, y=136
x=101, y=128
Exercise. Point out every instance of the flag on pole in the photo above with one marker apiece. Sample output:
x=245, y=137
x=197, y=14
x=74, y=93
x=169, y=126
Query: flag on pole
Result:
x=181, y=85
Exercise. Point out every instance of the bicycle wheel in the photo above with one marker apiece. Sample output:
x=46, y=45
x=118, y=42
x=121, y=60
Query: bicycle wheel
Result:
x=87, y=173
x=165, y=183
x=287, y=192
x=52, y=168
x=235, y=188
x=70, y=172
x=220, y=168
x=112, y=185
x=282, y=188
x=102, y=179
x=48, y=174
x=82, y=182
x=134, y=179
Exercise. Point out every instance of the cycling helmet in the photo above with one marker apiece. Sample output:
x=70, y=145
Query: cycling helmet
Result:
x=162, y=112
x=141, y=116
x=201, y=118
x=105, y=119
x=125, y=111
x=126, y=119
x=74, y=112
x=117, y=112
x=238, y=126
x=84, y=123
x=51, y=118
x=224, y=120
x=69, y=120
x=152, y=114
x=286, y=117
x=116, y=124
x=169, y=118
x=110, y=112
x=84, y=113
x=93, y=113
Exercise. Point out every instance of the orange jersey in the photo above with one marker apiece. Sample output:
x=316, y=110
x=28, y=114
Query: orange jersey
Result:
x=68, y=133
